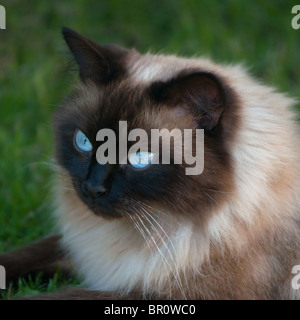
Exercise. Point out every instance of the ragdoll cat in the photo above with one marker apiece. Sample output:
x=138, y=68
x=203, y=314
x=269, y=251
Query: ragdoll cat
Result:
x=154, y=232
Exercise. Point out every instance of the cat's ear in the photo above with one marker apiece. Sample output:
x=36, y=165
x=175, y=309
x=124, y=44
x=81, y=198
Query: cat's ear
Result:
x=99, y=63
x=199, y=93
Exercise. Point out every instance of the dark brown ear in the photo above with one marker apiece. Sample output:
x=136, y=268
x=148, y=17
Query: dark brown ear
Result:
x=101, y=64
x=198, y=92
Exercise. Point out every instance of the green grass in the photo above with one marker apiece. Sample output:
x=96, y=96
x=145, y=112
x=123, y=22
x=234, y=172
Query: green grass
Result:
x=33, y=286
x=33, y=78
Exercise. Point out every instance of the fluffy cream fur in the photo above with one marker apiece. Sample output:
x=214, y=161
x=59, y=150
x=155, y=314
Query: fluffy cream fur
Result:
x=116, y=256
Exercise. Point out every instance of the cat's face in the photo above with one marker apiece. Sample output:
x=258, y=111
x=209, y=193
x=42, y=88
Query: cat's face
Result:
x=108, y=94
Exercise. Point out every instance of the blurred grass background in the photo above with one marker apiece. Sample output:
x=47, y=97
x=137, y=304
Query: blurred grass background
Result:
x=33, y=76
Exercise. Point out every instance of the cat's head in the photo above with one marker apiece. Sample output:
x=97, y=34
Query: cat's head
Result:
x=148, y=92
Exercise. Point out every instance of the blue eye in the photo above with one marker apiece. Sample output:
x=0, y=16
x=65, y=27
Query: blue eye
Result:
x=82, y=142
x=140, y=160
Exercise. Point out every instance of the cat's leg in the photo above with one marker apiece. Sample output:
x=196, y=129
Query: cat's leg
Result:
x=44, y=256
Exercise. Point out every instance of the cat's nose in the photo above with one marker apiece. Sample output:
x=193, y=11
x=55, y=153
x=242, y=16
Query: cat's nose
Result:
x=93, y=191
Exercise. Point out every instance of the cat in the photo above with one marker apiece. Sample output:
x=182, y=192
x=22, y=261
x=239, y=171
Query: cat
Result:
x=231, y=232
